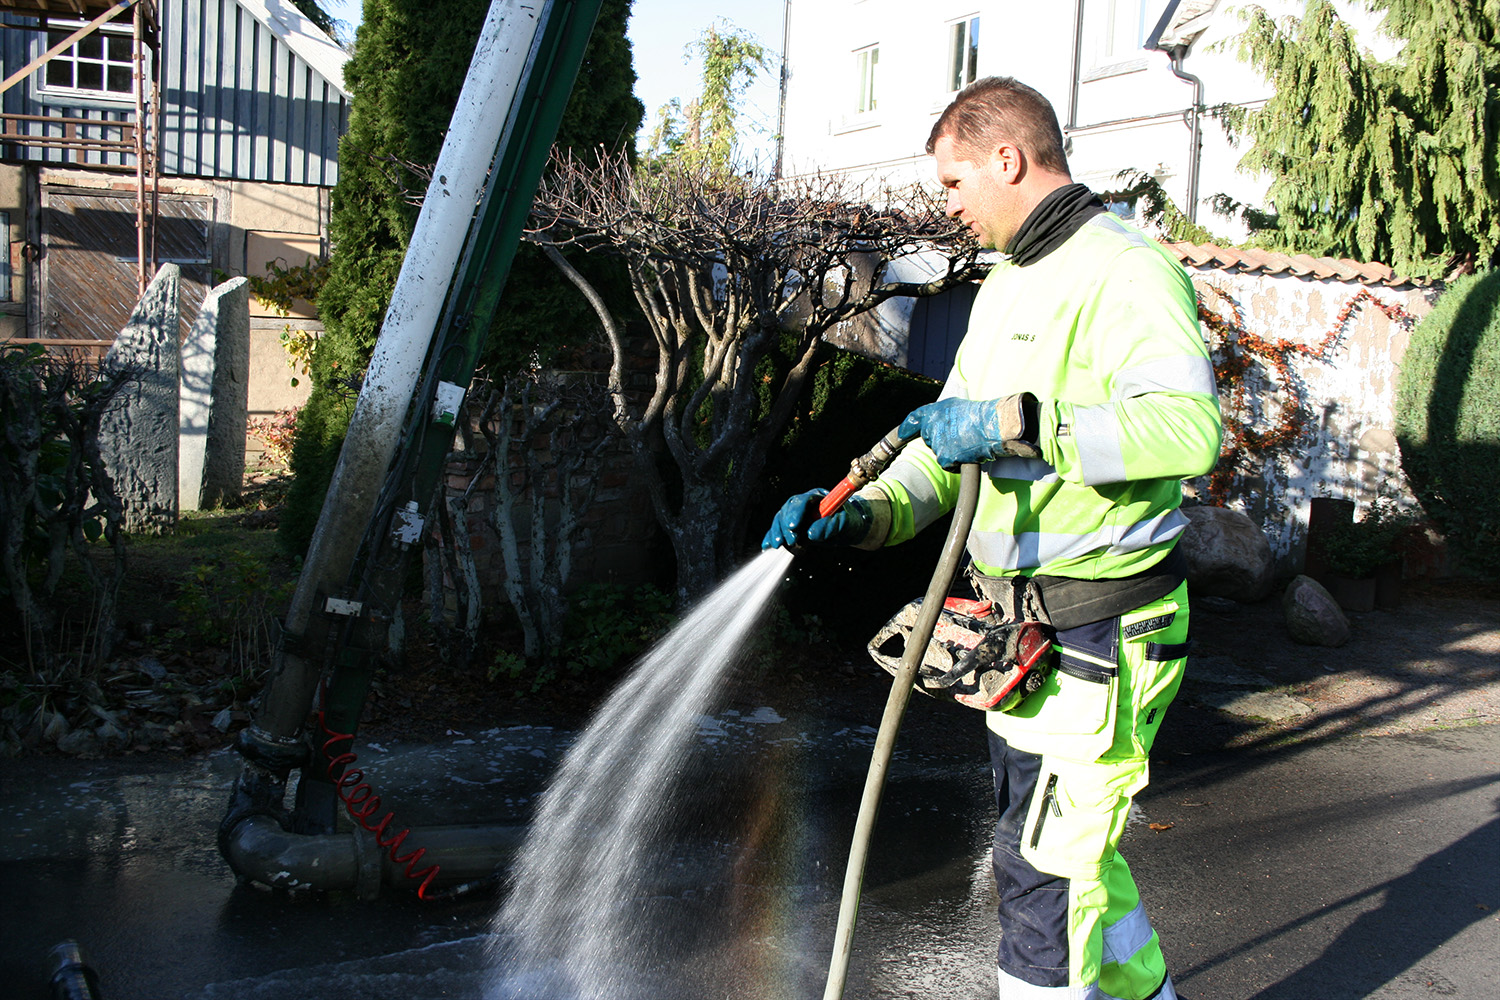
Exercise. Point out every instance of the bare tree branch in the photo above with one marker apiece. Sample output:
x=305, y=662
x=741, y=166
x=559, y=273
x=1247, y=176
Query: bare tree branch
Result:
x=738, y=282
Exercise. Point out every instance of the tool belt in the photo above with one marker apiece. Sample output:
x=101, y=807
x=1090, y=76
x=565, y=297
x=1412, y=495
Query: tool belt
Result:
x=1065, y=603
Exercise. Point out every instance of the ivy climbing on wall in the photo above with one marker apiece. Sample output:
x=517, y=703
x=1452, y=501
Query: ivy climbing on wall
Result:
x=1261, y=393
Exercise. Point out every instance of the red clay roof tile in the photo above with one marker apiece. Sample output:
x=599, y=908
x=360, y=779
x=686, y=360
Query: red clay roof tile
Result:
x=1251, y=261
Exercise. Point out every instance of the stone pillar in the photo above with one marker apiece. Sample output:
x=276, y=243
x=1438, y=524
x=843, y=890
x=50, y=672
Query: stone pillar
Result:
x=138, y=437
x=215, y=398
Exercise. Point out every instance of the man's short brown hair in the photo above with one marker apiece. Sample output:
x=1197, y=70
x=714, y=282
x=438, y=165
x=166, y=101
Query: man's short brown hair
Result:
x=1002, y=108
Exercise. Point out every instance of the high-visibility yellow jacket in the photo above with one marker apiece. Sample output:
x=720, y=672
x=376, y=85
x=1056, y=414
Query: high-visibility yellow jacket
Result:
x=1104, y=332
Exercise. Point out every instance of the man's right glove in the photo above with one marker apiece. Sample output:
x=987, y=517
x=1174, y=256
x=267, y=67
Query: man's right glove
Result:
x=798, y=523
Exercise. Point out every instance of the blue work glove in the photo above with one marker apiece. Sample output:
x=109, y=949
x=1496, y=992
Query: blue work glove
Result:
x=959, y=431
x=797, y=523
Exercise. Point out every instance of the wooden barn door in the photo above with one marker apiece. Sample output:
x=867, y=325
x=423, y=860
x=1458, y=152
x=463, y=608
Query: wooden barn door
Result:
x=89, y=253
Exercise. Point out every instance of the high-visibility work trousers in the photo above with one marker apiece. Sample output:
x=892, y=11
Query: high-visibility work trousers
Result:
x=1071, y=920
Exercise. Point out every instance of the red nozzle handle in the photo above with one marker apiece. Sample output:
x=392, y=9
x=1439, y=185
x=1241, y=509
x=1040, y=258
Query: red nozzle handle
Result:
x=862, y=470
x=836, y=497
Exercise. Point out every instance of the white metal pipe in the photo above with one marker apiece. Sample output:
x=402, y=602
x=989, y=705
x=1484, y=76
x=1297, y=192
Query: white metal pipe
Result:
x=458, y=181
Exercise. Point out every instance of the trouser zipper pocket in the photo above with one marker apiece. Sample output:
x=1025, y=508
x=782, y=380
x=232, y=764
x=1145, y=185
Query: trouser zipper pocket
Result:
x=1049, y=800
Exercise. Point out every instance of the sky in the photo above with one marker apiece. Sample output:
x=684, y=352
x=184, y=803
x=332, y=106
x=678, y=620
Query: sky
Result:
x=660, y=32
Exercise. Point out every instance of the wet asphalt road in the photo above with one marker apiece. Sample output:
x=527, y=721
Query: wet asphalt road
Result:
x=1347, y=868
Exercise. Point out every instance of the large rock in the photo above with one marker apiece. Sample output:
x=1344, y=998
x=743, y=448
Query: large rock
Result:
x=1227, y=555
x=215, y=384
x=1313, y=617
x=138, y=437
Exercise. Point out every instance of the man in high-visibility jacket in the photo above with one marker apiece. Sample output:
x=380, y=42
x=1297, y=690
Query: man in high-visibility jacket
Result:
x=1085, y=389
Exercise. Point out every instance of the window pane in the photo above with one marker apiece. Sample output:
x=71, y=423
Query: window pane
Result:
x=59, y=73
x=956, y=58
x=90, y=76
x=91, y=46
x=973, y=70
x=120, y=79
x=865, y=62
x=119, y=48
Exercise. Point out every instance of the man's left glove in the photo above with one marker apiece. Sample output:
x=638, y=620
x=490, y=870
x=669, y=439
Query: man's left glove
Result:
x=959, y=431
x=798, y=523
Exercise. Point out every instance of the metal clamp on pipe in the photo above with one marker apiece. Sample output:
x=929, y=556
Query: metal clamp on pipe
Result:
x=863, y=470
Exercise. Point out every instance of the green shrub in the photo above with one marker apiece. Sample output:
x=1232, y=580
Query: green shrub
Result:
x=232, y=602
x=610, y=625
x=1448, y=418
x=1361, y=548
x=321, y=425
x=847, y=406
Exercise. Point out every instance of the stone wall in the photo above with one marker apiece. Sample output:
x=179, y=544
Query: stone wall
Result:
x=1348, y=450
x=619, y=541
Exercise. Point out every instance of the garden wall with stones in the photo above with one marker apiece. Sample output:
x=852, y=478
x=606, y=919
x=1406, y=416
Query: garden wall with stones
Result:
x=1320, y=360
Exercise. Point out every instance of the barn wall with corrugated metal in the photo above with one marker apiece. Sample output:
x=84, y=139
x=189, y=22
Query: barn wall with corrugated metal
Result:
x=237, y=102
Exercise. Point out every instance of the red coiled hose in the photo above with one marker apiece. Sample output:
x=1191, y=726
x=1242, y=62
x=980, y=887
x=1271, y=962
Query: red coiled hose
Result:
x=361, y=802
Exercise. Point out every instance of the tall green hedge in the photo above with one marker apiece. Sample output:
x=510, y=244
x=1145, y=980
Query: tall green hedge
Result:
x=1448, y=418
x=849, y=404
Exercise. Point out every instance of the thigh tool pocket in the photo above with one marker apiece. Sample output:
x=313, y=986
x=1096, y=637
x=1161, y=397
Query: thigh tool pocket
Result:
x=1076, y=816
x=1072, y=715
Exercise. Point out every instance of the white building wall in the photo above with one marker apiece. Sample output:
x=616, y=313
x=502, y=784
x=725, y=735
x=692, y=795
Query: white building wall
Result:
x=1130, y=110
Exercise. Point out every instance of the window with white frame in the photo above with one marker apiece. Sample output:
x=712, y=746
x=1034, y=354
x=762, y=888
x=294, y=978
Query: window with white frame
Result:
x=866, y=66
x=963, y=53
x=1119, y=29
x=101, y=64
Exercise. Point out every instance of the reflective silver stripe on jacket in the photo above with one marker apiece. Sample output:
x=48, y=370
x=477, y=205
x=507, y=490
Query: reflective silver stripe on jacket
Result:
x=1191, y=373
x=1034, y=470
x=1035, y=548
x=1114, y=225
x=1097, y=431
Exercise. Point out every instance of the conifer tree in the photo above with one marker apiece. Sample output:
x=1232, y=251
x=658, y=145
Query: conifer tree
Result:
x=1381, y=160
x=706, y=134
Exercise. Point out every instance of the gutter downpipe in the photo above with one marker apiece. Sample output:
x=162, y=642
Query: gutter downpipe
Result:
x=1076, y=70
x=1194, y=117
x=786, y=35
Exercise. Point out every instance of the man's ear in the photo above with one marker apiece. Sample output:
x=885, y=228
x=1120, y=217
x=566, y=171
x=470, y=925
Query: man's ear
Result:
x=1008, y=162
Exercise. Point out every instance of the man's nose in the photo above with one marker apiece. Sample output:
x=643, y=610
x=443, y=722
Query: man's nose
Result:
x=953, y=207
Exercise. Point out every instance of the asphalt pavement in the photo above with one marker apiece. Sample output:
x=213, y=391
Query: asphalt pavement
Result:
x=1349, y=849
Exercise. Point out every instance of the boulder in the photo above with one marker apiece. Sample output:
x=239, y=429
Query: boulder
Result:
x=1313, y=617
x=1228, y=555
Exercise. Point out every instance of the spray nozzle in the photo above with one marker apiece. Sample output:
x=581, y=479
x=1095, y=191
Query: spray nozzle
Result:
x=862, y=470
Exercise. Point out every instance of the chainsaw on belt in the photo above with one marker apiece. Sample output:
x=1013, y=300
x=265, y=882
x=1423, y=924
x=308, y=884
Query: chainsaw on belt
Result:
x=974, y=657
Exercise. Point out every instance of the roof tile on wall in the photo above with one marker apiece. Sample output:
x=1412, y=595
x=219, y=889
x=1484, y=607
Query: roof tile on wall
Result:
x=1251, y=261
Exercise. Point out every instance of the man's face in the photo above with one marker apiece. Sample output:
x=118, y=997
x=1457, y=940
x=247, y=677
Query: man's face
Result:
x=978, y=193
